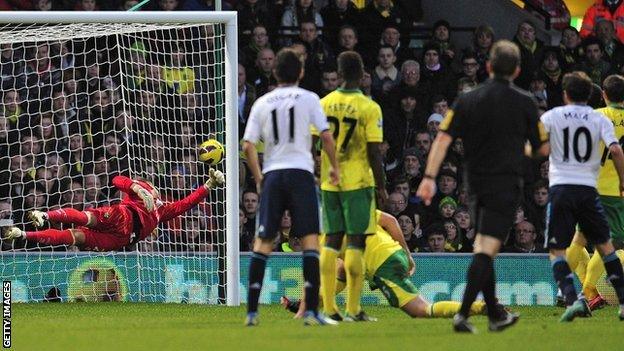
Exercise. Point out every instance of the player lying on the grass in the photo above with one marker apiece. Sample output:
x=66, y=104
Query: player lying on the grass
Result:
x=114, y=227
x=589, y=270
x=389, y=265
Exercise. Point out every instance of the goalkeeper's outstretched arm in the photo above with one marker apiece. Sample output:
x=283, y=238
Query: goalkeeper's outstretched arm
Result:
x=171, y=210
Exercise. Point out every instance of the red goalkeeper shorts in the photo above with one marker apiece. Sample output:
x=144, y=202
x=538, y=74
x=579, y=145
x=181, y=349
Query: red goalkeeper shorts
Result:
x=112, y=231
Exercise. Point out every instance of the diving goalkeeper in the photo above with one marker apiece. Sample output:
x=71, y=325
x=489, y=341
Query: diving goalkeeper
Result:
x=113, y=227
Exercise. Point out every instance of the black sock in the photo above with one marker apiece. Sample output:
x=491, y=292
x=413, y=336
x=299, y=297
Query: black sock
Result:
x=312, y=278
x=489, y=294
x=478, y=274
x=615, y=274
x=256, y=275
x=564, y=278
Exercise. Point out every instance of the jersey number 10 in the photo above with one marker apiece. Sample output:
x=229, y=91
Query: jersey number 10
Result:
x=575, y=144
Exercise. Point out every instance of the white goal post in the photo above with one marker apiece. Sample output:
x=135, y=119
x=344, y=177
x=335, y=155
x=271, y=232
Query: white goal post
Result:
x=125, y=22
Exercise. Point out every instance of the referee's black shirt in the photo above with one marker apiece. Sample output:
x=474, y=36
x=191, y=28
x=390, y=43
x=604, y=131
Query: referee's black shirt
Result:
x=494, y=122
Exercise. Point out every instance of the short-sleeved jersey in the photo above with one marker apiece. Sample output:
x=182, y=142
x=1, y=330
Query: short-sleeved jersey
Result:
x=494, y=122
x=282, y=119
x=355, y=121
x=379, y=247
x=608, y=181
x=575, y=135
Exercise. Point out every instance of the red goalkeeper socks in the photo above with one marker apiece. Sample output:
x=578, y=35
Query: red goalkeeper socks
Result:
x=68, y=215
x=51, y=237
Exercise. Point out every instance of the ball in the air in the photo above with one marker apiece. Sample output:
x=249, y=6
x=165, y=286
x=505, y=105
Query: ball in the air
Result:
x=211, y=151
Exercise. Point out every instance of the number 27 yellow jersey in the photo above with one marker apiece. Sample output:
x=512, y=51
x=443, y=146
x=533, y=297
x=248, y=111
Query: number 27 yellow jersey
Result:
x=355, y=121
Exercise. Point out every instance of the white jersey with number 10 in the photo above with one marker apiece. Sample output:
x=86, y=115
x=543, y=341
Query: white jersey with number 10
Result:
x=575, y=134
x=282, y=119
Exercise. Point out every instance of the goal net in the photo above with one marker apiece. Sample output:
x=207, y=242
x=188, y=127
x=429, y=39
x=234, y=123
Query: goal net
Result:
x=86, y=97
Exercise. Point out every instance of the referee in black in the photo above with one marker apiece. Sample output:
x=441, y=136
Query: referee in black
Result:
x=495, y=121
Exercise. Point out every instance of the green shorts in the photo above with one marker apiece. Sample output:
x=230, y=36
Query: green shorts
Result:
x=351, y=212
x=393, y=280
x=614, y=209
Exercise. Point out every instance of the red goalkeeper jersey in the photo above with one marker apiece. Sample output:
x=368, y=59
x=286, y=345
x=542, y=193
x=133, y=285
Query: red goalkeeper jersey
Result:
x=163, y=213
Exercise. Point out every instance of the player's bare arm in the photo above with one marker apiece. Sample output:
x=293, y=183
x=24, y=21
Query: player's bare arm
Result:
x=375, y=161
x=329, y=145
x=391, y=225
x=440, y=146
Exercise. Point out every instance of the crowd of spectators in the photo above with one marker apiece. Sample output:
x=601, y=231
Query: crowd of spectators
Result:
x=64, y=132
x=415, y=86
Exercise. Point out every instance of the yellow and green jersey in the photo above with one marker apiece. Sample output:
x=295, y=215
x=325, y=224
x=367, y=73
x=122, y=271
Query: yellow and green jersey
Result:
x=181, y=80
x=355, y=121
x=379, y=247
x=608, y=181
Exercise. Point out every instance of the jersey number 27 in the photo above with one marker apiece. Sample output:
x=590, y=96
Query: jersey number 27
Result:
x=350, y=122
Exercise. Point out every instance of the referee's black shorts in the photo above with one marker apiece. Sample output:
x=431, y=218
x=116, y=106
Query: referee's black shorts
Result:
x=293, y=190
x=572, y=204
x=493, y=202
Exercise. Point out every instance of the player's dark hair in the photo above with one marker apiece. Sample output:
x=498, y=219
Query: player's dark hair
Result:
x=504, y=58
x=614, y=88
x=577, y=85
x=288, y=67
x=350, y=66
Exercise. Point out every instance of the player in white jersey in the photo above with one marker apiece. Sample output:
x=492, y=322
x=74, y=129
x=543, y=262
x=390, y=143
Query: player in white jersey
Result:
x=575, y=133
x=282, y=119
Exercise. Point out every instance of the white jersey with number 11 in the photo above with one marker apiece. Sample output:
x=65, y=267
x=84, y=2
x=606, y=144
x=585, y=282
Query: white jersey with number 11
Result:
x=282, y=119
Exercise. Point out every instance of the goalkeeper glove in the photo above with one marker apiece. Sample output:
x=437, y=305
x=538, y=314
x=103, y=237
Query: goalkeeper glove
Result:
x=148, y=199
x=215, y=179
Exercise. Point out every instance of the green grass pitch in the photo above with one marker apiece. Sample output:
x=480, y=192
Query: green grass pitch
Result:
x=141, y=326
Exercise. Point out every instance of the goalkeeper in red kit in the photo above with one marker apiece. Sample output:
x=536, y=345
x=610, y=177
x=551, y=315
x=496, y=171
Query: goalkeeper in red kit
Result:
x=114, y=227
